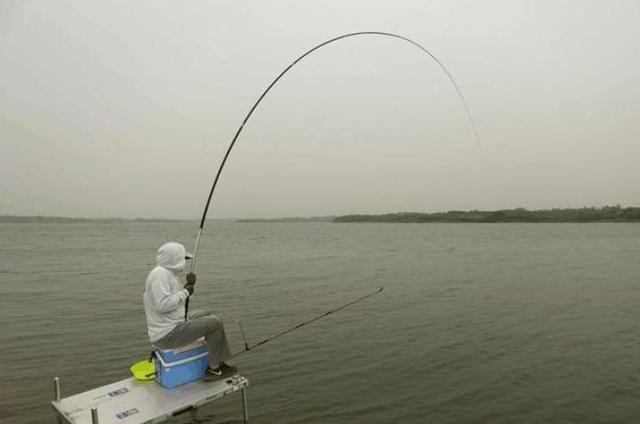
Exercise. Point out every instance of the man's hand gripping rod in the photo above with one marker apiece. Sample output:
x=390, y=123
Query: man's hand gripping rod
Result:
x=193, y=269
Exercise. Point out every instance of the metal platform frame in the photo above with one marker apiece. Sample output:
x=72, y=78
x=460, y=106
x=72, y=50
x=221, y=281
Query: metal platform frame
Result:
x=133, y=402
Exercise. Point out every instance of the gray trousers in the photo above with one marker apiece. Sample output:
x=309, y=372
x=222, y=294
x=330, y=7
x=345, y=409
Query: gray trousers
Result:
x=200, y=324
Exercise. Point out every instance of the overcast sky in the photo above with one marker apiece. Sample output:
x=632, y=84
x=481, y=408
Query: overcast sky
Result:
x=125, y=108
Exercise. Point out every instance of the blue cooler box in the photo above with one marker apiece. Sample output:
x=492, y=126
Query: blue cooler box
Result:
x=183, y=365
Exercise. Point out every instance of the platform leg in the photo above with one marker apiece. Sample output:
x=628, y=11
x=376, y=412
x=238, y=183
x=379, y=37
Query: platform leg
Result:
x=94, y=415
x=56, y=389
x=245, y=407
x=57, y=395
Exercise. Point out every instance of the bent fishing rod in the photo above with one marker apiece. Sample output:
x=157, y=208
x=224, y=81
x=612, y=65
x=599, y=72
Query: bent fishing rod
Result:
x=247, y=348
x=275, y=81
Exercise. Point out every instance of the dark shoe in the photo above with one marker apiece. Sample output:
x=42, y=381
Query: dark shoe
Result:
x=228, y=370
x=222, y=371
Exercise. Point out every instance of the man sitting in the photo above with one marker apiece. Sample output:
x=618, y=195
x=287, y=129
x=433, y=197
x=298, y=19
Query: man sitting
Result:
x=164, y=305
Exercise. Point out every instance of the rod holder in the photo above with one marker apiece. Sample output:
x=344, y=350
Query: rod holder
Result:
x=56, y=388
x=245, y=406
x=94, y=415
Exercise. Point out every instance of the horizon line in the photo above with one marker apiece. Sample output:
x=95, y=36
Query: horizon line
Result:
x=158, y=219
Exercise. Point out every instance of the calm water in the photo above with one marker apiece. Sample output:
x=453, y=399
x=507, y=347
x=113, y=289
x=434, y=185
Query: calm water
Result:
x=503, y=323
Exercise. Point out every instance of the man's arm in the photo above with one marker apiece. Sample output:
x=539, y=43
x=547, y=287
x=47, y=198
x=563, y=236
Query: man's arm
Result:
x=164, y=300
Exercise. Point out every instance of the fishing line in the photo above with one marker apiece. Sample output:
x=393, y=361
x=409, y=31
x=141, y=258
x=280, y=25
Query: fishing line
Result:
x=275, y=81
x=247, y=348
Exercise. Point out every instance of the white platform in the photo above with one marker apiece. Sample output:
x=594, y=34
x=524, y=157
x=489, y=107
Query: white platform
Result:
x=132, y=402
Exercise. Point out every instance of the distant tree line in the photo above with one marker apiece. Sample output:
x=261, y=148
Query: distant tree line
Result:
x=602, y=214
x=288, y=220
x=16, y=219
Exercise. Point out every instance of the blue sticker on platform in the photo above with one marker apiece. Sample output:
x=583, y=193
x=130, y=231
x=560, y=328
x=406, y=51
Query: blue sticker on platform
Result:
x=126, y=414
x=118, y=392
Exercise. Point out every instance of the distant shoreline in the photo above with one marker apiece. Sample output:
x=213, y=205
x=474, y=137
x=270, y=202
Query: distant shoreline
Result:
x=603, y=214
x=16, y=219
x=520, y=215
x=289, y=220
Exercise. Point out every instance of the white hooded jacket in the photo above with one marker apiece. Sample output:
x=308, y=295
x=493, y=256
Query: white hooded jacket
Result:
x=164, y=296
